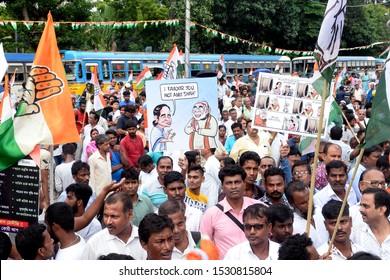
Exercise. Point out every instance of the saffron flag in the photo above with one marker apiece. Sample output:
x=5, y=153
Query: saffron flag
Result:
x=45, y=113
x=143, y=76
x=378, y=127
x=172, y=65
x=221, y=67
x=98, y=98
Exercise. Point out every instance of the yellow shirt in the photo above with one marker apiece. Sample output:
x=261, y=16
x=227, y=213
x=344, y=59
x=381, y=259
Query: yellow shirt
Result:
x=246, y=144
x=197, y=201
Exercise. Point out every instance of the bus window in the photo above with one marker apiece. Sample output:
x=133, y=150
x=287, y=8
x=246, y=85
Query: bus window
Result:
x=231, y=67
x=118, y=70
x=106, y=70
x=240, y=67
x=195, y=66
x=135, y=66
x=89, y=68
x=19, y=77
x=207, y=65
x=70, y=70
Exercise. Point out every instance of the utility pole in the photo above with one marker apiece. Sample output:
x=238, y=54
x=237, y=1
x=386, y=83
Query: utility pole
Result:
x=187, y=39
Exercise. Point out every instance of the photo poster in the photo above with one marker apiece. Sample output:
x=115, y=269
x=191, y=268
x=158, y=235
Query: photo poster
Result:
x=182, y=114
x=288, y=104
x=19, y=195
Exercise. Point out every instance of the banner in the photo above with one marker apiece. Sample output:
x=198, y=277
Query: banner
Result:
x=183, y=114
x=288, y=104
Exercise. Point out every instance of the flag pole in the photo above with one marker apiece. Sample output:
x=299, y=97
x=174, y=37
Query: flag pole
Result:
x=345, y=200
x=350, y=127
x=313, y=173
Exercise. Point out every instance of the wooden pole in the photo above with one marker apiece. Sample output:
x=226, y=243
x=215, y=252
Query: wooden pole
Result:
x=353, y=132
x=313, y=174
x=345, y=200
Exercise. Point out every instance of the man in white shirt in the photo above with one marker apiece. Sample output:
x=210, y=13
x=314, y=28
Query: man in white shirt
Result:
x=342, y=247
x=120, y=235
x=337, y=185
x=60, y=225
x=211, y=186
x=374, y=233
x=298, y=197
x=175, y=189
x=184, y=242
x=77, y=196
x=63, y=172
x=257, y=228
x=100, y=164
x=148, y=171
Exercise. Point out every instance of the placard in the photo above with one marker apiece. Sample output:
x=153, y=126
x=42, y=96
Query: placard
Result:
x=182, y=114
x=288, y=104
x=19, y=195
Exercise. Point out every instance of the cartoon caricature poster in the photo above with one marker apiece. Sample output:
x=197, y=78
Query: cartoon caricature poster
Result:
x=182, y=114
x=288, y=104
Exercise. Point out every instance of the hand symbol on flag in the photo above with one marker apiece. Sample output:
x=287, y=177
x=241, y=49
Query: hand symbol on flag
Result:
x=41, y=84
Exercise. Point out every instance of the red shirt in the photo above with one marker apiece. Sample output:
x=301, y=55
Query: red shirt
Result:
x=79, y=118
x=132, y=149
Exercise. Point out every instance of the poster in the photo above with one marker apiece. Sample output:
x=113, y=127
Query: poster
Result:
x=19, y=195
x=288, y=104
x=182, y=114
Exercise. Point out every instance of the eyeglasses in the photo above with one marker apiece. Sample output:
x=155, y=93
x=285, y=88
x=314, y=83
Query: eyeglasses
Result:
x=249, y=227
x=296, y=173
x=375, y=184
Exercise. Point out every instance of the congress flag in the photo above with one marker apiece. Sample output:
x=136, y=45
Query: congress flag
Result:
x=3, y=63
x=143, y=76
x=378, y=127
x=45, y=113
x=98, y=98
x=171, y=67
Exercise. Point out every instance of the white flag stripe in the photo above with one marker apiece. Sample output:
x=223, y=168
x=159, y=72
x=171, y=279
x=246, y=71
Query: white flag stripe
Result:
x=3, y=63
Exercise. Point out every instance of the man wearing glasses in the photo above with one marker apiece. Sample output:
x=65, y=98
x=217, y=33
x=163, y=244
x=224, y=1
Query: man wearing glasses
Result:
x=370, y=178
x=257, y=228
x=301, y=171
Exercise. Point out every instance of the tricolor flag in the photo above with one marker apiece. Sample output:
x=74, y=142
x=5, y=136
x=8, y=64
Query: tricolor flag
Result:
x=45, y=113
x=221, y=67
x=172, y=64
x=98, y=98
x=378, y=127
x=307, y=145
x=6, y=107
x=143, y=76
x=3, y=63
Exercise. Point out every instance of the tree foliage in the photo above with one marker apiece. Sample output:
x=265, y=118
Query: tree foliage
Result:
x=286, y=24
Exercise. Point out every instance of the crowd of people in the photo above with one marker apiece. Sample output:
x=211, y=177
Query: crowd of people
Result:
x=116, y=199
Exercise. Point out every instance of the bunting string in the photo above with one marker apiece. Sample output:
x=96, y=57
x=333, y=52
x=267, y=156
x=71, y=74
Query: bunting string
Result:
x=175, y=22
